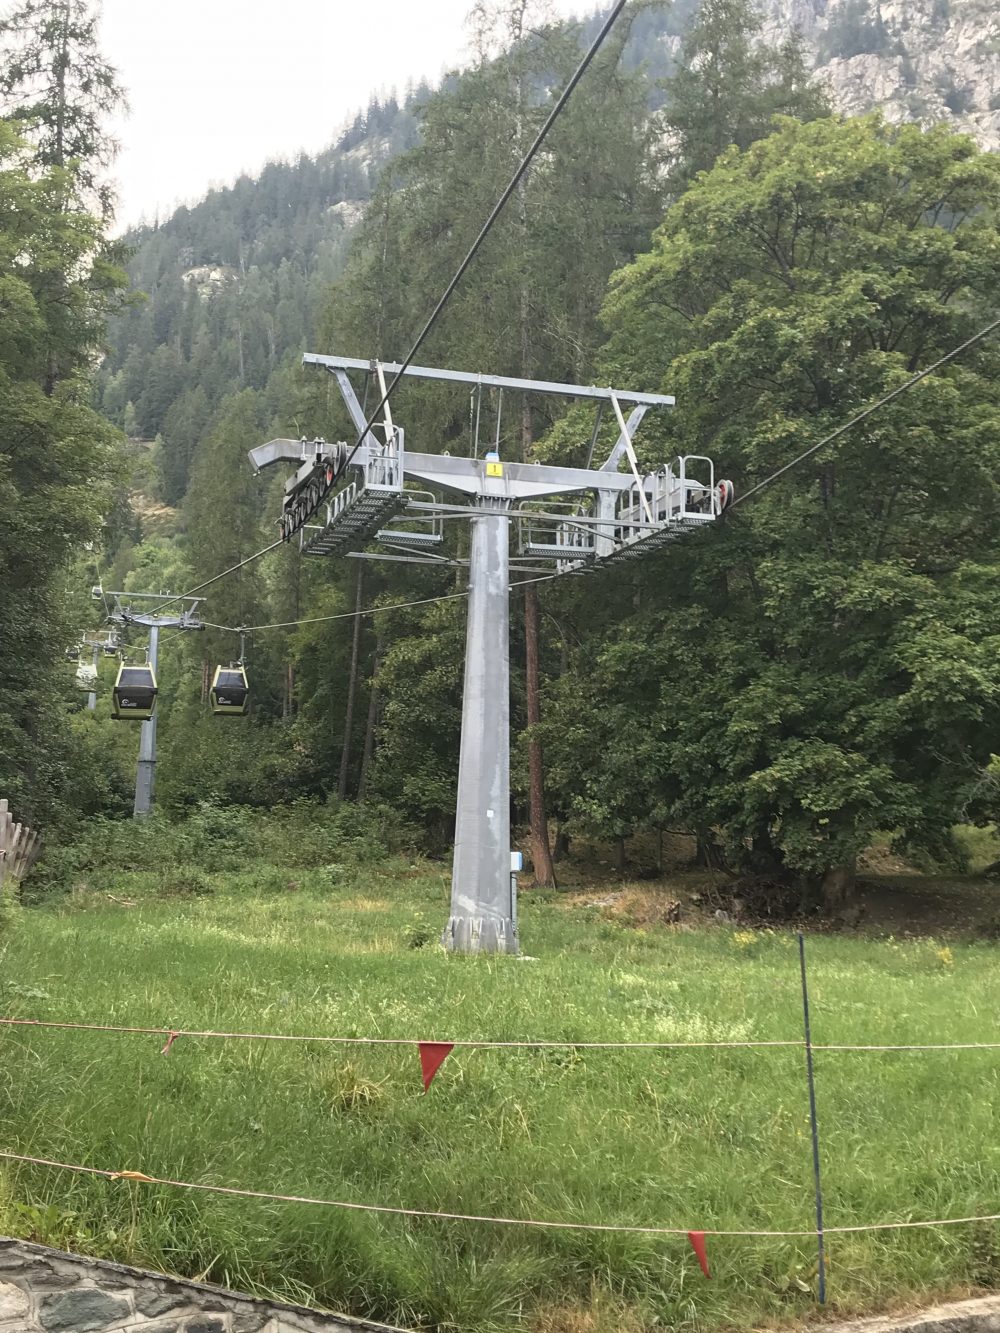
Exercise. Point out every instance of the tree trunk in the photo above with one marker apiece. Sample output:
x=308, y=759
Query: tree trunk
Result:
x=708, y=851
x=541, y=854
x=620, y=855
x=288, y=701
x=60, y=68
x=372, y=723
x=352, y=689
x=839, y=884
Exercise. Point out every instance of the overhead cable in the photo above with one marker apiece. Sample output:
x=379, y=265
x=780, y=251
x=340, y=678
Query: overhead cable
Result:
x=498, y=207
x=215, y=577
x=487, y=226
x=813, y=449
x=866, y=412
x=369, y=611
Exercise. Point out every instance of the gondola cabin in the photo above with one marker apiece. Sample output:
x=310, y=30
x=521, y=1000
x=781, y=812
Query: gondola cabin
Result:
x=230, y=693
x=134, y=694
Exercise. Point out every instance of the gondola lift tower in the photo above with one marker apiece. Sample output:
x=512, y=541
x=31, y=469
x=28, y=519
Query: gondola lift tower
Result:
x=526, y=518
x=123, y=612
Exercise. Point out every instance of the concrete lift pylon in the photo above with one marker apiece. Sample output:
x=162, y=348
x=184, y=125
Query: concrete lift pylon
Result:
x=369, y=495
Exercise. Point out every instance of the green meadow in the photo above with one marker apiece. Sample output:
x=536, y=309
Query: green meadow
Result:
x=700, y=1138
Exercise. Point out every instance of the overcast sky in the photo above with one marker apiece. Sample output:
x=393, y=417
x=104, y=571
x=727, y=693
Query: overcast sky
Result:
x=217, y=87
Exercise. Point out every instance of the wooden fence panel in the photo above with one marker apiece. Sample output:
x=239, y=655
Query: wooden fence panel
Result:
x=19, y=846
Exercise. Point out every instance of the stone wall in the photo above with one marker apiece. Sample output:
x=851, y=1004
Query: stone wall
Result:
x=47, y=1291
x=981, y=1315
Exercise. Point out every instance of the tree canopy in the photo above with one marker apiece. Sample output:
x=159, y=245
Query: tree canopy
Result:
x=57, y=455
x=825, y=663
x=56, y=84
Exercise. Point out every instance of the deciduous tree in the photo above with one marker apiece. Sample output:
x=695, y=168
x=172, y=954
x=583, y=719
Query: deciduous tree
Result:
x=826, y=662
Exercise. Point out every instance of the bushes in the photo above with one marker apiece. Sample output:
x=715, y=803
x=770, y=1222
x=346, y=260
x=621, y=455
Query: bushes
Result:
x=219, y=838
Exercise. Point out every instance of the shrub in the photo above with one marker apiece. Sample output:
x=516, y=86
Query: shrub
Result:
x=212, y=838
x=184, y=882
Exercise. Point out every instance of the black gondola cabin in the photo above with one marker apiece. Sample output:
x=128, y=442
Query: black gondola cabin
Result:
x=230, y=693
x=134, y=694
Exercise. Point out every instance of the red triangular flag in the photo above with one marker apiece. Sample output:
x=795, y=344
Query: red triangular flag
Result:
x=432, y=1056
x=697, y=1239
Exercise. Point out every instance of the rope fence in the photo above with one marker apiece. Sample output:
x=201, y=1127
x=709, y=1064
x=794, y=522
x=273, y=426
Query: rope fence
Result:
x=140, y=1177
x=433, y=1053
x=476, y=1043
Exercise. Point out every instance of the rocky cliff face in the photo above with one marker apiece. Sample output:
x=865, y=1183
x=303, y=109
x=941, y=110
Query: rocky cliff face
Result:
x=924, y=60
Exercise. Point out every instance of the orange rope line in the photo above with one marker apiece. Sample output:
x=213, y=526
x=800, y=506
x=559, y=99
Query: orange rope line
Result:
x=141, y=1178
x=173, y=1033
x=389, y=1041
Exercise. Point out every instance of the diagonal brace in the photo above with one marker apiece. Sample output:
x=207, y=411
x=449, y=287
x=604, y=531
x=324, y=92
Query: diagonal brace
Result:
x=624, y=445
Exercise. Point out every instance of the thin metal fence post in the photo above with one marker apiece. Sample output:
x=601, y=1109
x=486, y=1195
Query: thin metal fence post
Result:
x=813, y=1122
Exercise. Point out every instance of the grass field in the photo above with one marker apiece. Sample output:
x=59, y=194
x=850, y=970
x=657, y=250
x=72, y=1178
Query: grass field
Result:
x=699, y=1138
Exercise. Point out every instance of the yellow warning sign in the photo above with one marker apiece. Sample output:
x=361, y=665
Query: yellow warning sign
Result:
x=494, y=469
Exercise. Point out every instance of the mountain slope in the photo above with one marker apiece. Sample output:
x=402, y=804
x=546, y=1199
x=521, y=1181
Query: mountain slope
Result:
x=234, y=284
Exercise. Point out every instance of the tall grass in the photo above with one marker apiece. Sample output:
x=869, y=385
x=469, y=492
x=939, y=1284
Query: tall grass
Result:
x=699, y=1138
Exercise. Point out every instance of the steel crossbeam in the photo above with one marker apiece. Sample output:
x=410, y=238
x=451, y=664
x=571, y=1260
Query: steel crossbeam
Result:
x=335, y=363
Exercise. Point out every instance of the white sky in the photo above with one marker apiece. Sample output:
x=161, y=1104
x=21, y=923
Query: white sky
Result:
x=217, y=87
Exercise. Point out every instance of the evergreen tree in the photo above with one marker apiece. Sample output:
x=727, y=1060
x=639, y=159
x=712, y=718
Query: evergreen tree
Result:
x=728, y=87
x=55, y=82
x=223, y=513
x=57, y=459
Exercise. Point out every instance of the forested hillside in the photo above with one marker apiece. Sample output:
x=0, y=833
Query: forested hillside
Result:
x=233, y=286
x=759, y=736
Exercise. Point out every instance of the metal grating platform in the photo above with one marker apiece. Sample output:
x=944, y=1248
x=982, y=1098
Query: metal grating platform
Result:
x=640, y=547
x=652, y=541
x=557, y=550
x=353, y=519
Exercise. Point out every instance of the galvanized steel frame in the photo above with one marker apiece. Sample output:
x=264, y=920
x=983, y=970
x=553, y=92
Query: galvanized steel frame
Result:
x=626, y=523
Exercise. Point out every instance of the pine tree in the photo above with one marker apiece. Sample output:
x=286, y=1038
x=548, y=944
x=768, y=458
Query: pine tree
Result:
x=728, y=87
x=56, y=83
